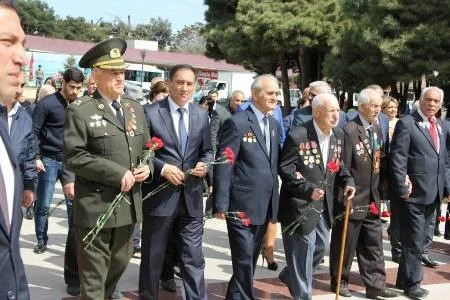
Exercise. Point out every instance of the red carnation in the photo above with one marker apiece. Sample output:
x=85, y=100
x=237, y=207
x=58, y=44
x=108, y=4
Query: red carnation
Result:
x=373, y=208
x=154, y=144
x=441, y=218
x=229, y=155
x=246, y=222
x=386, y=214
x=333, y=167
x=241, y=215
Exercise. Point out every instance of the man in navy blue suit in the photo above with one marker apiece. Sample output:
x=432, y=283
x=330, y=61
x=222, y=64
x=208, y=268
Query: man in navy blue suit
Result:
x=418, y=150
x=184, y=129
x=251, y=184
x=12, y=58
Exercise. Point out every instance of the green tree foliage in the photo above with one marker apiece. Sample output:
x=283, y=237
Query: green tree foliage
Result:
x=385, y=41
x=71, y=62
x=156, y=30
x=189, y=40
x=263, y=35
x=37, y=17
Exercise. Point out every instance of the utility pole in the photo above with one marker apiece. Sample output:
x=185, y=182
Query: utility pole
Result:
x=143, y=54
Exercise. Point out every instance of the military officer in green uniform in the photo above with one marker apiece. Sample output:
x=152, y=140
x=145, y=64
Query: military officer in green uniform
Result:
x=104, y=139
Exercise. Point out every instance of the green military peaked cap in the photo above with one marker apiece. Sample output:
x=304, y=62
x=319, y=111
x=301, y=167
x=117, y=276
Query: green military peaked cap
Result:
x=106, y=55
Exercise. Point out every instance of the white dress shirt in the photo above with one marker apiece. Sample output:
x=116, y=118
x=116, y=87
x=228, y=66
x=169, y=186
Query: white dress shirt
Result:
x=176, y=115
x=8, y=177
x=110, y=104
x=11, y=114
x=427, y=126
x=324, y=143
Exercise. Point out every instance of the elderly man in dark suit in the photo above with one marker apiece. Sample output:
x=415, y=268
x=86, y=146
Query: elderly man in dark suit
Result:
x=184, y=128
x=418, y=150
x=362, y=154
x=251, y=184
x=310, y=165
x=14, y=283
x=304, y=114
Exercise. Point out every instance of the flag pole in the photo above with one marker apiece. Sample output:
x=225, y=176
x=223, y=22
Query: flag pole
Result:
x=344, y=237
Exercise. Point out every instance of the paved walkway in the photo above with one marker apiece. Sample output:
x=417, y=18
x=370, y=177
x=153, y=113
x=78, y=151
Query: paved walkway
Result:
x=45, y=271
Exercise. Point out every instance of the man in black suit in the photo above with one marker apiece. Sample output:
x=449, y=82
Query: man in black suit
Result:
x=14, y=283
x=310, y=166
x=251, y=184
x=184, y=128
x=362, y=155
x=418, y=150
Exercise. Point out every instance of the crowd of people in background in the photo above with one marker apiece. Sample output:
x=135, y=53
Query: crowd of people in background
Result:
x=321, y=155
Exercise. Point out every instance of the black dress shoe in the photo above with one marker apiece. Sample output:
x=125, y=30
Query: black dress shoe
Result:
x=40, y=248
x=396, y=258
x=428, y=261
x=417, y=293
x=169, y=285
x=73, y=289
x=447, y=237
x=343, y=289
x=384, y=293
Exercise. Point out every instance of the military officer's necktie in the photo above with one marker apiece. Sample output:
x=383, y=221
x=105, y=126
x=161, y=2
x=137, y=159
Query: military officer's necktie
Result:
x=266, y=133
x=433, y=133
x=183, y=135
x=4, y=200
x=119, y=115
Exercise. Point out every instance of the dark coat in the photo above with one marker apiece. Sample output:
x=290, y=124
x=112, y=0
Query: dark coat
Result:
x=251, y=184
x=198, y=149
x=218, y=117
x=364, y=165
x=298, y=156
x=412, y=153
x=14, y=283
x=100, y=151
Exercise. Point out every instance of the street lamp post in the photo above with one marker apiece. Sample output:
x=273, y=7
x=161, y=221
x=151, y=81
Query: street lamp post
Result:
x=143, y=54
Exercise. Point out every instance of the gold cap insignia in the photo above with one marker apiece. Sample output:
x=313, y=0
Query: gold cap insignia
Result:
x=114, y=53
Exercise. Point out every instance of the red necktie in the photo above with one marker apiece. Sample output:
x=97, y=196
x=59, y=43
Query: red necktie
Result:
x=433, y=132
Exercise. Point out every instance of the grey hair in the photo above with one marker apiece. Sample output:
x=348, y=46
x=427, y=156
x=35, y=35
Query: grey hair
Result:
x=234, y=93
x=319, y=100
x=366, y=94
x=320, y=87
x=430, y=88
x=376, y=88
x=257, y=83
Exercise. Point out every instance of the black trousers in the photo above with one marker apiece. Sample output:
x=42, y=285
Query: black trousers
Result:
x=156, y=231
x=70, y=256
x=365, y=238
x=245, y=246
x=415, y=224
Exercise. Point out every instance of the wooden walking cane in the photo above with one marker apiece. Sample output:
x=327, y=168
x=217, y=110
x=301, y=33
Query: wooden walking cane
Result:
x=344, y=237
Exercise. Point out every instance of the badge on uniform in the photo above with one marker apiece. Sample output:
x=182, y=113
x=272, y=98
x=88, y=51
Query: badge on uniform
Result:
x=249, y=138
x=131, y=126
x=309, y=153
x=376, y=161
x=97, y=121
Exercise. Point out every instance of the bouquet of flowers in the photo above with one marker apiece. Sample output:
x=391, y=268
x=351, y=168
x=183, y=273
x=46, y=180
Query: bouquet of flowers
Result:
x=153, y=145
x=227, y=157
x=233, y=215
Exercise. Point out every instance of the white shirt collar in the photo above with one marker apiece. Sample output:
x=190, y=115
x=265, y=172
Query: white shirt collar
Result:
x=320, y=133
x=424, y=118
x=258, y=113
x=364, y=122
x=174, y=107
x=14, y=109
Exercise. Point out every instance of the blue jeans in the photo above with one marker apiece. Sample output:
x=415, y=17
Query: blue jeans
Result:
x=44, y=196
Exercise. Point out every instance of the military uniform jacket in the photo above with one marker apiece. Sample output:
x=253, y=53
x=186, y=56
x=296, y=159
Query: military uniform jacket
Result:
x=363, y=159
x=301, y=153
x=100, y=151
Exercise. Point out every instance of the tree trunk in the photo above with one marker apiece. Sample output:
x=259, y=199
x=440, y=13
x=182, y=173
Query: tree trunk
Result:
x=284, y=81
x=304, y=67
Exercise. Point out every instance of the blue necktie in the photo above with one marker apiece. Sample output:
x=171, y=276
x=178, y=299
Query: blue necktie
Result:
x=119, y=115
x=182, y=131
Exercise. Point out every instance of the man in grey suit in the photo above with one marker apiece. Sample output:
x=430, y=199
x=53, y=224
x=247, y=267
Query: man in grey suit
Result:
x=308, y=191
x=418, y=150
x=184, y=128
x=12, y=58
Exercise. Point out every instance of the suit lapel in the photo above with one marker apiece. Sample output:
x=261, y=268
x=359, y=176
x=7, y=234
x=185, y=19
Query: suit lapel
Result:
x=422, y=127
x=254, y=125
x=166, y=117
x=7, y=142
x=312, y=136
x=193, y=122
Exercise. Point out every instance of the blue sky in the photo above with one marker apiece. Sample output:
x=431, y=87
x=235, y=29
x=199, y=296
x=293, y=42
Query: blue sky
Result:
x=178, y=12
